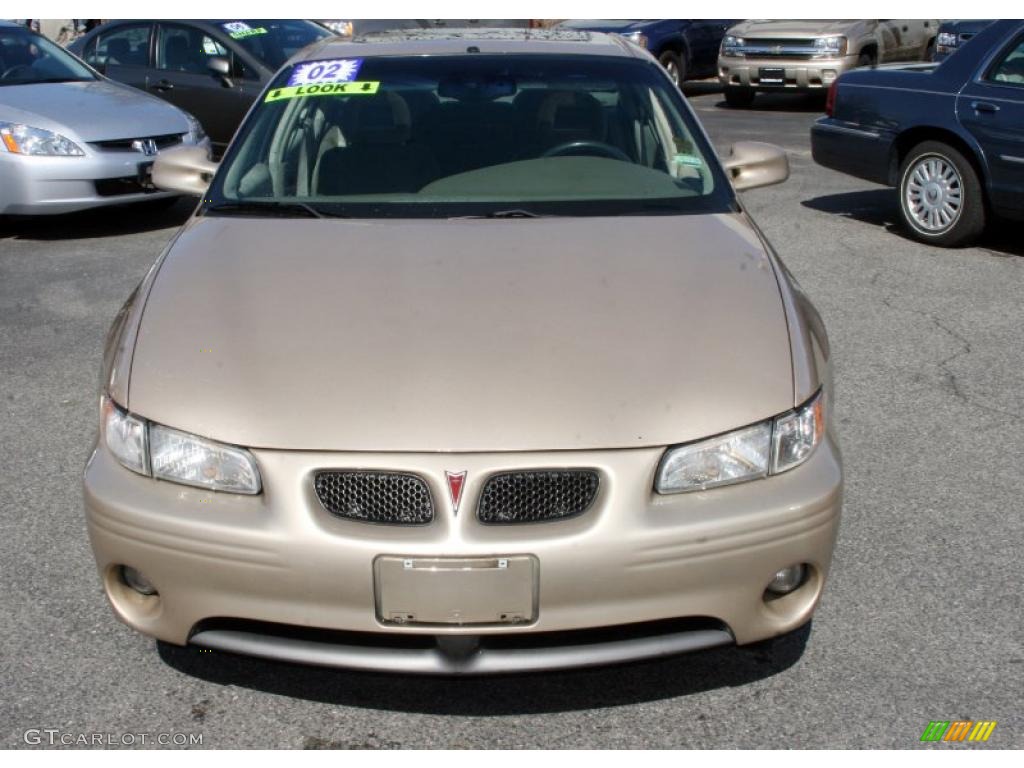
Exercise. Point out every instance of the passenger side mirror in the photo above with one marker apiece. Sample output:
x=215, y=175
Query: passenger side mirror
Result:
x=187, y=170
x=221, y=67
x=753, y=164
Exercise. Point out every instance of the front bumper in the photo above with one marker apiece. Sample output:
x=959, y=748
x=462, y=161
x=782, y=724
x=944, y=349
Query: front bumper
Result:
x=222, y=562
x=48, y=185
x=800, y=74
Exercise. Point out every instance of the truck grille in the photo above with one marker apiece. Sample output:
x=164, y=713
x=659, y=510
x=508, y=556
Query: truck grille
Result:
x=783, y=48
x=375, y=497
x=537, y=496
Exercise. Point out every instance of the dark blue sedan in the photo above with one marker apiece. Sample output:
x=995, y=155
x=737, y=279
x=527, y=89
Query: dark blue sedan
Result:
x=687, y=48
x=949, y=136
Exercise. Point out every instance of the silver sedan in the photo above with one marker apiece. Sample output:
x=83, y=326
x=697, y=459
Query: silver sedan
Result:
x=69, y=138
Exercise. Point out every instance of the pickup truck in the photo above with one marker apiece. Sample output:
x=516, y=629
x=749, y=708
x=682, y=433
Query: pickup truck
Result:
x=806, y=56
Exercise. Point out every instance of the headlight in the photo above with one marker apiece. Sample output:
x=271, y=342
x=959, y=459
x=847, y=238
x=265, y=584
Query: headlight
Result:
x=339, y=27
x=731, y=45
x=195, y=130
x=830, y=46
x=798, y=433
x=770, y=447
x=185, y=458
x=26, y=140
x=947, y=39
x=637, y=38
x=168, y=454
x=125, y=436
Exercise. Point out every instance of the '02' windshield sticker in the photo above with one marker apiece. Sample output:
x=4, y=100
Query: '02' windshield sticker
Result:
x=239, y=29
x=364, y=87
x=329, y=71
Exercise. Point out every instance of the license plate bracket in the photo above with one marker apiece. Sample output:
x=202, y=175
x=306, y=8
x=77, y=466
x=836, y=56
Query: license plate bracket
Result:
x=772, y=76
x=145, y=175
x=456, y=591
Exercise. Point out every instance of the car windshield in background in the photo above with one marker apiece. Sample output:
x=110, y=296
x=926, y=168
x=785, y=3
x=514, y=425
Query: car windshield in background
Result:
x=274, y=41
x=479, y=135
x=26, y=57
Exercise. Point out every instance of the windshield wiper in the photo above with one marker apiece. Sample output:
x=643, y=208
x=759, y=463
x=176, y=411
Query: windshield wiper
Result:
x=513, y=213
x=266, y=208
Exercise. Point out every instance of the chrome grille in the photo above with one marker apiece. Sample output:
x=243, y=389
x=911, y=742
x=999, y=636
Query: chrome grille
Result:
x=375, y=497
x=537, y=496
x=786, y=48
x=125, y=145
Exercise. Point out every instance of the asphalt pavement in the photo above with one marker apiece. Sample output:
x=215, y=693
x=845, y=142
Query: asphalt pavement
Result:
x=921, y=620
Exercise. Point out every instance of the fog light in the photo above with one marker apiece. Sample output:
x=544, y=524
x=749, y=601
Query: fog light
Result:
x=137, y=581
x=787, y=580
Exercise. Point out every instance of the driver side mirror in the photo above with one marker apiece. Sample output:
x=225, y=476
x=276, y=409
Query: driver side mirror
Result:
x=187, y=170
x=752, y=164
x=220, y=67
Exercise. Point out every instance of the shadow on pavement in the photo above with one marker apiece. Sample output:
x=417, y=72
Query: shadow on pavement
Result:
x=99, y=222
x=503, y=695
x=879, y=207
x=806, y=103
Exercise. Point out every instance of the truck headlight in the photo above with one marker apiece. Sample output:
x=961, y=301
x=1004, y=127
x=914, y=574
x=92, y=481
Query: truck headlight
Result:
x=947, y=39
x=830, y=46
x=169, y=454
x=769, y=447
x=731, y=45
x=26, y=140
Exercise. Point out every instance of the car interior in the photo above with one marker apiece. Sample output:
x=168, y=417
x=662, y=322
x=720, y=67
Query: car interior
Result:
x=404, y=140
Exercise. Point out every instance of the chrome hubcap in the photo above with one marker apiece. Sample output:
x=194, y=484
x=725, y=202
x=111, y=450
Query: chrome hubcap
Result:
x=934, y=194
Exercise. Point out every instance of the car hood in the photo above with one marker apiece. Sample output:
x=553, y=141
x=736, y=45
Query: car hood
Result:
x=795, y=28
x=463, y=335
x=620, y=26
x=98, y=110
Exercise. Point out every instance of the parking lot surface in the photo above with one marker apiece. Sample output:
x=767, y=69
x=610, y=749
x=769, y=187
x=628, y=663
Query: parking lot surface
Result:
x=921, y=620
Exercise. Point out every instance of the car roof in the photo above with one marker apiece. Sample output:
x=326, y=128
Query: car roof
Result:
x=5, y=23
x=437, y=42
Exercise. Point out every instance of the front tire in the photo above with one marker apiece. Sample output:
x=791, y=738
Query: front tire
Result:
x=675, y=65
x=941, y=198
x=739, y=97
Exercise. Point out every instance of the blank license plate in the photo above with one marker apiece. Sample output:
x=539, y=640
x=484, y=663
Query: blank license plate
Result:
x=772, y=76
x=443, y=590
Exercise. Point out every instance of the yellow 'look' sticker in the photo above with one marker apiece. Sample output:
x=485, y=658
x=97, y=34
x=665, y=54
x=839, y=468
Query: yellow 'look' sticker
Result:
x=366, y=87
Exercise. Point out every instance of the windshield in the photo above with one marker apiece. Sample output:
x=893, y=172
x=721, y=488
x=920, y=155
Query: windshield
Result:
x=27, y=57
x=471, y=135
x=274, y=41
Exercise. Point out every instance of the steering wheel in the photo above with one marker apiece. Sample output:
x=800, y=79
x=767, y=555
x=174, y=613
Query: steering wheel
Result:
x=14, y=70
x=587, y=147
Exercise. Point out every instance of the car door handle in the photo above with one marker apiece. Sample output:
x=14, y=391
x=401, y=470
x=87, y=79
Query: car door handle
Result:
x=985, y=106
x=163, y=85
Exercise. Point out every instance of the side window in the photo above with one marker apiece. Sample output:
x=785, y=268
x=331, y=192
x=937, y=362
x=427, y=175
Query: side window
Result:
x=1009, y=70
x=185, y=49
x=126, y=45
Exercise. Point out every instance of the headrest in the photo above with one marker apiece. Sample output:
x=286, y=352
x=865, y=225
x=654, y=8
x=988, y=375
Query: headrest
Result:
x=380, y=119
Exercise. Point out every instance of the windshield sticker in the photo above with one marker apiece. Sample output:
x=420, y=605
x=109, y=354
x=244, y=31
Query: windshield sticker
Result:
x=365, y=87
x=691, y=160
x=239, y=29
x=329, y=71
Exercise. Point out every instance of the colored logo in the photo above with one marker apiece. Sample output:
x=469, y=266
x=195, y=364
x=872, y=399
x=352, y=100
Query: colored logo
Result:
x=456, y=482
x=958, y=730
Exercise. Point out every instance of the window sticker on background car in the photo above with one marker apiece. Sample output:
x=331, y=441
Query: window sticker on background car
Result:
x=691, y=160
x=210, y=48
x=239, y=29
x=365, y=87
x=329, y=71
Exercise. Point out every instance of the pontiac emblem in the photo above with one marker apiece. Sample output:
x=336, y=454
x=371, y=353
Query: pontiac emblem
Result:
x=456, y=481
